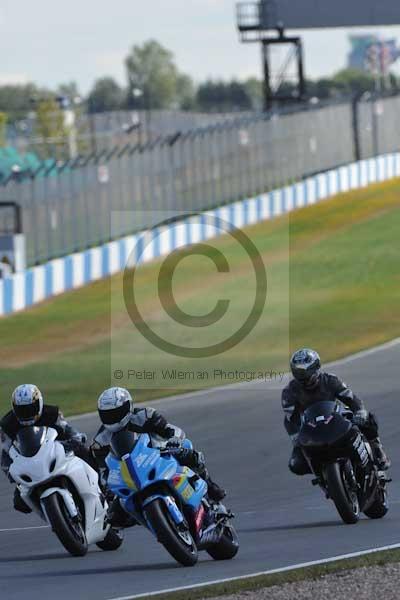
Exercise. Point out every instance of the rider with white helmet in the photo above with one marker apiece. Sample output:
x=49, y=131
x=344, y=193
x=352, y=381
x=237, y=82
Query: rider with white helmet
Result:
x=117, y=412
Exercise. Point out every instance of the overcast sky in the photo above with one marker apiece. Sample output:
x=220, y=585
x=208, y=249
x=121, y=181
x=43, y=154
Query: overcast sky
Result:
x=50, y=41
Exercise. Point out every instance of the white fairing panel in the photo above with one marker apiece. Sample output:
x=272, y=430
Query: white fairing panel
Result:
x=50, y=463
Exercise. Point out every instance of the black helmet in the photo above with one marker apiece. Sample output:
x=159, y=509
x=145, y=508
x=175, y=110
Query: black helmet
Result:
x=305, y=365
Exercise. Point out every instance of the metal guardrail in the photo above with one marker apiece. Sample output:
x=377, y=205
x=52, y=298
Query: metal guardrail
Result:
x=69, y=207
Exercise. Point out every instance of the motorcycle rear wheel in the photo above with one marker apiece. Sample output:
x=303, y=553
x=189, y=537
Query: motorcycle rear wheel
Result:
x=344, y=498
x=180, y=545
x=70, y=533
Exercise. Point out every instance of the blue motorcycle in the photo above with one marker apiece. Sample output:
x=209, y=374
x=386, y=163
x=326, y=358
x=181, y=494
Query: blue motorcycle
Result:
x=168, y=499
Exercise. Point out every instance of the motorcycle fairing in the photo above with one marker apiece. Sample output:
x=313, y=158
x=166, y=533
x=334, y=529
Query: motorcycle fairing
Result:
x=42, y=466
x=47, y=468
x=144, y=467
x=315, y=421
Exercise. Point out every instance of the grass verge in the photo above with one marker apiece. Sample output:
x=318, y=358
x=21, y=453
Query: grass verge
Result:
x=291, y=576
x=334, y=283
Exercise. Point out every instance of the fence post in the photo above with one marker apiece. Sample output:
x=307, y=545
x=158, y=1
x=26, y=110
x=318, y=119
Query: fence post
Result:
x=356, y=126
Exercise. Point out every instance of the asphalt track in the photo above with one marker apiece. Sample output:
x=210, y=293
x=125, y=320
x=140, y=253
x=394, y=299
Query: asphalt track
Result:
x=281, y=519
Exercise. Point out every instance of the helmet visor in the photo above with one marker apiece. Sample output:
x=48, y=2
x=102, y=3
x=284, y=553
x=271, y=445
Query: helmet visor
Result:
x=306, y=377
x=114, y=415
x=301, y=375
x=27, y=412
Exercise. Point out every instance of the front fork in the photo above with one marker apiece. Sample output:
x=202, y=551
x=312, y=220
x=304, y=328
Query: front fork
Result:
x=349, y=474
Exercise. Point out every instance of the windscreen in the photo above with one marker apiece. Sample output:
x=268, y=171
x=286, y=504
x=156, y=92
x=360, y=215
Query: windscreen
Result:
x=29, y=440
x=320, y=409
x=123, y=442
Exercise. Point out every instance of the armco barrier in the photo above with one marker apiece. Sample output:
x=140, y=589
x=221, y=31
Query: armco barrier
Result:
x=57, y=276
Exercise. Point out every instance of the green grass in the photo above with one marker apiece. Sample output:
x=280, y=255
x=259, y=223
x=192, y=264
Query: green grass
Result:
x=261, y=582
x=333, y=283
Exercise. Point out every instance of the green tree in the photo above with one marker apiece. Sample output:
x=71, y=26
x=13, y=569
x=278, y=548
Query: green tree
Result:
x=186, y=93
x=105, y=95
x=219, y=96
x=16, y=100
x=349, y=81
x=255, y=91
x=211, y=95
x=51, y=129
x=394, y=82
x=322, y=88
x=152, y=77
x=238, y=96
x=69, y=90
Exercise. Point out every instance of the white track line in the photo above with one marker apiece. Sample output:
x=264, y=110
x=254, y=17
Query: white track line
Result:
x=342, y=361
x=261, y=573
x=24, y=528
x=364, y=353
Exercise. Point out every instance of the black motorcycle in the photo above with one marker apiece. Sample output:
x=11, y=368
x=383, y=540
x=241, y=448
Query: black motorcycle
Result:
x=341, y=459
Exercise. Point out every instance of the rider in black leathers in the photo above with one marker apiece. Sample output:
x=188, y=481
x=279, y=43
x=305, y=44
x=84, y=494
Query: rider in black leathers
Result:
x=310, y=385
x=28, y=409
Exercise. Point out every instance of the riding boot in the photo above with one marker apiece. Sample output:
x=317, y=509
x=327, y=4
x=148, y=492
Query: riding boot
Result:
x=19, y=504
x=215, y=492
x=118, y=517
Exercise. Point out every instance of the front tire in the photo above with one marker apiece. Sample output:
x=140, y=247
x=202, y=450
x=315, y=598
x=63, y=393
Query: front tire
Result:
x=227, y=547
x=345, y=499
x=180, y=545
x=70, y=533
x=112, y=541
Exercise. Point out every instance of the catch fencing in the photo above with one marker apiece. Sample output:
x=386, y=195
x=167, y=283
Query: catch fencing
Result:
x=27, y=288
x=67, y=208
x=96, y=132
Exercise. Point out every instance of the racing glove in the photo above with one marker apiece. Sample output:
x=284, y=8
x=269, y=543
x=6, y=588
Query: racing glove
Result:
x=174, y=443
x=158, y=424
x=81, y=438
x=360, y=418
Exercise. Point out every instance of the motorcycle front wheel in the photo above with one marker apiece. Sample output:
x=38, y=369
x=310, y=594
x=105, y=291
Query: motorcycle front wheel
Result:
x=344, y=498
x=68, y=530
x=178, y=542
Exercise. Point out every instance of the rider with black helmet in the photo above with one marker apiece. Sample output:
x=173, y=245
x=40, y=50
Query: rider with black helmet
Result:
x=309, y=385
x=28, y=409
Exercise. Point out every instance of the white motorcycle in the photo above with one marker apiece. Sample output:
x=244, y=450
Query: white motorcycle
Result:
x=62, y=489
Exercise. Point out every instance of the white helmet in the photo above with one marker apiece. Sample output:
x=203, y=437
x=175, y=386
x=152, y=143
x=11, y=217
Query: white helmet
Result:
x=27, y=404
x=114, y=406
